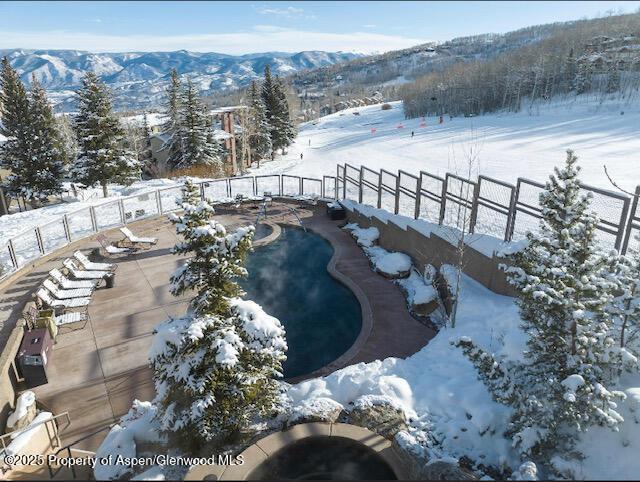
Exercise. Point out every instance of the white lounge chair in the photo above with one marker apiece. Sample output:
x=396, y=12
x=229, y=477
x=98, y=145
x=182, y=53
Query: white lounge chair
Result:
x=68, y=284
x=71, y=317
x=90, y=265
x=48, y=300
x=65, y=294
x=133, y=239
x=110, y=248
x=79, y=274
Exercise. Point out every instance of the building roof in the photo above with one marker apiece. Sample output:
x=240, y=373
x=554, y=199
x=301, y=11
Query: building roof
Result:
x=232, y=108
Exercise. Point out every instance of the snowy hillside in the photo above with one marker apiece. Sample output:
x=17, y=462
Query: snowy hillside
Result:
x=138, y=78
x=528, y=144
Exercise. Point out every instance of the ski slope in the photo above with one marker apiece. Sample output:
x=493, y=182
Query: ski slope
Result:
x=506, y=146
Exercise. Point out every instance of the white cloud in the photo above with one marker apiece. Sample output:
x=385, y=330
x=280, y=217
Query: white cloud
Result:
x=369, y=25
x=261, y=38
x=282, y=12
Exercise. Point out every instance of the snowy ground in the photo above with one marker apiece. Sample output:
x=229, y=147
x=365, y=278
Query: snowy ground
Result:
x=527, y=144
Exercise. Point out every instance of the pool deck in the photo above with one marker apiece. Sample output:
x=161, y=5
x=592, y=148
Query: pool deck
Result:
x=97, y=370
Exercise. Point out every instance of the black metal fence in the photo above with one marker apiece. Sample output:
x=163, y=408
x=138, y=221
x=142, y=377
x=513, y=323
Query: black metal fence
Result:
x=484, y=205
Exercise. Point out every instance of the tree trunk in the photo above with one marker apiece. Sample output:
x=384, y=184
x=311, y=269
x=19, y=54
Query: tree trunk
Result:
x=104, y=189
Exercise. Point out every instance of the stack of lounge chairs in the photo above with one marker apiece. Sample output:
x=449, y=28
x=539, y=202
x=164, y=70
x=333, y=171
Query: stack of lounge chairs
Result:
x=69, y=297
x=67, y=291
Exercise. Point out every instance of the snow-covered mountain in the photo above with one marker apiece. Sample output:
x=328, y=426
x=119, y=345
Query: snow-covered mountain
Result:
x=138, y=78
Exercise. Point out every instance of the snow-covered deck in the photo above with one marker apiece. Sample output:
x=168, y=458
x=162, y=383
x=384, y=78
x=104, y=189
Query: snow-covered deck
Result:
x=97, y=371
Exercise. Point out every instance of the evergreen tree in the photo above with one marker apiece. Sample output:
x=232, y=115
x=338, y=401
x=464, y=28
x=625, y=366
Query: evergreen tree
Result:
x=102, y=158
x=281, y=129
x=15, y=153
x=171, y=128
x=582, y=81
x=562, y=285
x=43, y=174
x=259, y=136
x=215, y=369
x=569, y=74
x=613, y=80
x=33, y=150
x=194, y=133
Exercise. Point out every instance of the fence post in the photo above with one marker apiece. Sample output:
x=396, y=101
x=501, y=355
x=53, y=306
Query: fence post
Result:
x=12, y=254
x=632, y=218
x=511, y=217
x=516, y=197
x=158, y=203
x=360, y=176
x=39, y=239
x=94, y=223
x=396, y=206
x=379, y=205
x=123, y=219
x=443, y=199
x=474, y=207
x=65, y=224
x=416, y=215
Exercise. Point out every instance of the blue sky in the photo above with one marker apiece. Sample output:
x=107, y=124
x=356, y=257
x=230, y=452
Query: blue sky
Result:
x=245, y=27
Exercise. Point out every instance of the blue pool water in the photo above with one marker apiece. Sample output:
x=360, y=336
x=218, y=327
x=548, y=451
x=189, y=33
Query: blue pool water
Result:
x=321, y=316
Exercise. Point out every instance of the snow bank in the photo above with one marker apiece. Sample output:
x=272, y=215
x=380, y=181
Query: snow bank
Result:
x=418, y=291
x=364, y=236
x=388, y=263
x=20, y=440
x=25, y=400
x=137, y=426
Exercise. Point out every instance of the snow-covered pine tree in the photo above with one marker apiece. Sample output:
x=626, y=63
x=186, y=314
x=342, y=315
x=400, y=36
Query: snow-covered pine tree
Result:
x=195, y=134
x=613, y=79
x=44, y=173
x=583, y=79
x=102, y=158
x=569, y=72
x=259, y=137
x=281, y=129
x=215, y=369
x=15, y=153
x=171, y=127
x=562, y=285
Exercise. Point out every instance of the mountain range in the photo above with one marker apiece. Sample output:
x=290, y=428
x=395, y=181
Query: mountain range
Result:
x=138, y=79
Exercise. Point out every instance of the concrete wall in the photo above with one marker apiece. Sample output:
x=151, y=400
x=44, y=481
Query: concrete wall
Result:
x=434, y=250
x=7, y=373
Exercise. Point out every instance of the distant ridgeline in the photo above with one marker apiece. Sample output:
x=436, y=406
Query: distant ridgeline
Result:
x=599, y=56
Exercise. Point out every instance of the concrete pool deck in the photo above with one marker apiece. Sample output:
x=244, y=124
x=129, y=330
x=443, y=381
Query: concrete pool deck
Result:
x=98, y=370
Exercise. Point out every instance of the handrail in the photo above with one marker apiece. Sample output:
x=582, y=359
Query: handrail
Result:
x=54, y=419
x=16, y=265
x=69, y=447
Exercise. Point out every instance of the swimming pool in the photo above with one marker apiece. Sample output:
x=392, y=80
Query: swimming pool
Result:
x=321, y=316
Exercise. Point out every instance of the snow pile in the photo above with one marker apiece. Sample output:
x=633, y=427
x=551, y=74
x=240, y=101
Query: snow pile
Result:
x=21, y=439
x=418, y=291
x=25, y=400
x=137, y=426
x=392, y=264
x=364, y=236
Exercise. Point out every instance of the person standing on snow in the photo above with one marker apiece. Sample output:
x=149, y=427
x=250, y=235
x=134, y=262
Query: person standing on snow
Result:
x=301, y=156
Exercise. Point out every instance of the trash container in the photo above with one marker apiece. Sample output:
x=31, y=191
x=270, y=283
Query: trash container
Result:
x=335, y=211
x=34, y=356
x=110, y=280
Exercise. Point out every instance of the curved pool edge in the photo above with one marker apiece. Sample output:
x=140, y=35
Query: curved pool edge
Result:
x=269, y=445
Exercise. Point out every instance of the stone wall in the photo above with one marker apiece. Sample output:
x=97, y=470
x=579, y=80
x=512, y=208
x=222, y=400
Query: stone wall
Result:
x=436, y=251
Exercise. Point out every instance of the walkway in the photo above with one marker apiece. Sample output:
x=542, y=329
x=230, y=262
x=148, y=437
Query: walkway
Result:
x=97, y=371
